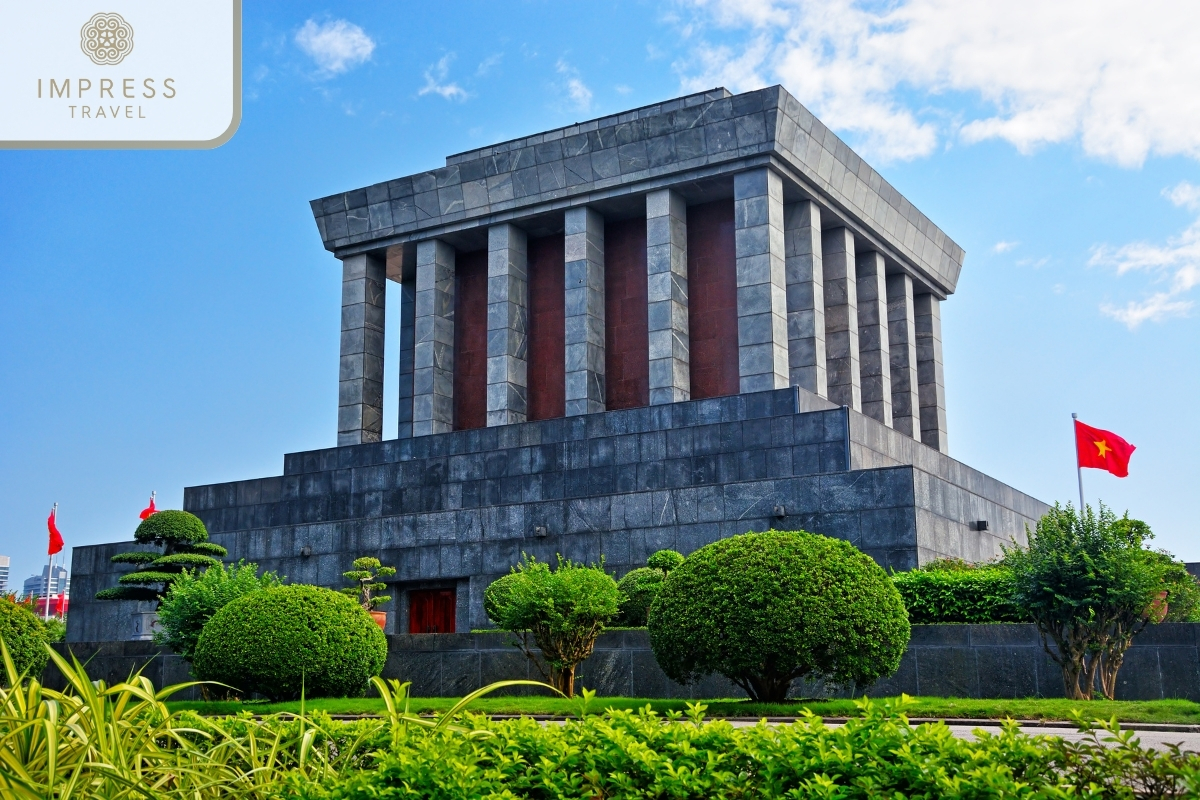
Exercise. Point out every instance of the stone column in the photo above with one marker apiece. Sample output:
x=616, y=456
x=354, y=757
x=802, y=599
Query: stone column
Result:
x=875, y=368
x=931, y=387
x=761, y=281
x=902, y=349
x=841, y=318
x=805, y=297
x=667, y=297
x=408, y=340
x=583, y=311
x=507, y=325
x=360, y=371
x=433, y=353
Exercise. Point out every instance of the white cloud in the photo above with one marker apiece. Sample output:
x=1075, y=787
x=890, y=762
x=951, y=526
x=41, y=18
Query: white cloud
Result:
x=336, y=46
x=1175, y=264
x=1003, y=247
x=623, y=89
x=577, y=91
x=1114, y=76
x=436, y=83
x=486, y=65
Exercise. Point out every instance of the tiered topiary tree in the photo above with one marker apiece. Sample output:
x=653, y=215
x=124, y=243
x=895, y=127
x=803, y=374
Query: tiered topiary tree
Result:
x=184, y=542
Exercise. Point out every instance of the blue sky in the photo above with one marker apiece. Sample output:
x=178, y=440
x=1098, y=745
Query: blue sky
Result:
x=170, y=318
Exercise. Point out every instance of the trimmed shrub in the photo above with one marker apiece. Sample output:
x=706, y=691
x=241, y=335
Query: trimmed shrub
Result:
x=640, y=586
x=194, y=597
x=959, y=596
x=275, y=641
x=183, y=539
x=25, y=636
x=765, y=609
x=563, y=610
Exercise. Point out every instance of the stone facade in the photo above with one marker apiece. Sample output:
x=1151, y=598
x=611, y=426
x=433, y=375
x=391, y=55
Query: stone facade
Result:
x=992, y=661
x=810, y=396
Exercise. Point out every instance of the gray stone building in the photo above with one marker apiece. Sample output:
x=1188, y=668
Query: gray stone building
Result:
x=650, y=330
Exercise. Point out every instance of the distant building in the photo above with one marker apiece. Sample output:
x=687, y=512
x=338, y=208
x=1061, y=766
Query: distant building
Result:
x=59, y=583
x=4, y=561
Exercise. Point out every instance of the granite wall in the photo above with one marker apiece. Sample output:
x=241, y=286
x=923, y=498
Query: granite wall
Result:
x=996, y=661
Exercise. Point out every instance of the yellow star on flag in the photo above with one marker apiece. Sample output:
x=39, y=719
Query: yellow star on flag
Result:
x=1103, y=447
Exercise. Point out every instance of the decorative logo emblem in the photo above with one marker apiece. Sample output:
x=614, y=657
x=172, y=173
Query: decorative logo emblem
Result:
x=106, y=39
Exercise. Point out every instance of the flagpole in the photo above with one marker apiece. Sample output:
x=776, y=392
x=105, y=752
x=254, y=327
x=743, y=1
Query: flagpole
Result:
x=49, y=572
x=1078, y=468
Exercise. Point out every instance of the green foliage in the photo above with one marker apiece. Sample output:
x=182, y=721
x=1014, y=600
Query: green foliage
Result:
x=959, y=596
x=366, y=572
x=624, y=754
x=665, y=560
x=56, y=629
x=276, y=641
x=639, y=587
x=94, y=741
x=182, y=537
x=1183, y=591
x=564, y=610
x=26, y=637
x=171, y=527
x=193, y=597
x=764, y=609
x=1087, y=581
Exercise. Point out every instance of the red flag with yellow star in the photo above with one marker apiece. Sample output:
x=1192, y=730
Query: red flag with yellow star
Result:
x=1100, y=449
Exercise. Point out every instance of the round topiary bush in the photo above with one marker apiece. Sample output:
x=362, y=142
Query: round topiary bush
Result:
x=274, y=641
x=764, y=609
x=639, y=586
x=25, y=636
x=171, y=527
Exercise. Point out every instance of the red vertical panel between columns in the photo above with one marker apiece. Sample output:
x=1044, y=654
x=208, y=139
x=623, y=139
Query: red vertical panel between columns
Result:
x=626, y=336
x=712, y=299
x=470, y=340
x=547, y=369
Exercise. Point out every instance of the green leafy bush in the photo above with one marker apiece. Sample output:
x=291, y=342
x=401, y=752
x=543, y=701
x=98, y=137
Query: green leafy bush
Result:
x=959, y=596
x=1088, y=582
x=193, y=597
x=365, y=575
x=640, y=586
x=564, y=610
x=25, y=636
x=183, y=539
x=624, y=754
x=274, y=641
x=764, y=609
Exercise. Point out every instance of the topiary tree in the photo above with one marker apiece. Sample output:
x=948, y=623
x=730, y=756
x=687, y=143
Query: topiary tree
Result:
x=564, y=610
x=194, y=596
x=765, y=609
x=25, y=637
x=366, y=572
x=1090, y=586
x=184, y=542
x=640, y=586
x=279, y=641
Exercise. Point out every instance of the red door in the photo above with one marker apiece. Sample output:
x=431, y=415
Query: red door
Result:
x=431, y=611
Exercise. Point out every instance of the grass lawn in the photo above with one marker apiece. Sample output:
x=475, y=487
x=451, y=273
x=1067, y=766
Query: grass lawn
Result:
x=1165, y=711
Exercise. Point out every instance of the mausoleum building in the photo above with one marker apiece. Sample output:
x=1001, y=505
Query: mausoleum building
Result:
x=651, y=330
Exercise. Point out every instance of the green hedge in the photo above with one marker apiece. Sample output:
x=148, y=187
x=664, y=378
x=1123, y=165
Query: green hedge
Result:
x=765, y=609
x=623, y=754
x=278, y=641
x=25, y=636
x=958, y=596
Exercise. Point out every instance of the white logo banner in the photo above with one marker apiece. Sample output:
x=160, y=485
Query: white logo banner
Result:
x=120, y=73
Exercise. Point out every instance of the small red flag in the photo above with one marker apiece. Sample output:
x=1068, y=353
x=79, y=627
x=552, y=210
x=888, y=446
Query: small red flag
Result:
x=56, y=540
x=1102, y=449
x=149, y=510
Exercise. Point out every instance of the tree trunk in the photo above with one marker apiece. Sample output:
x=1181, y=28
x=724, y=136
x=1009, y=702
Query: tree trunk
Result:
x=770, y=689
